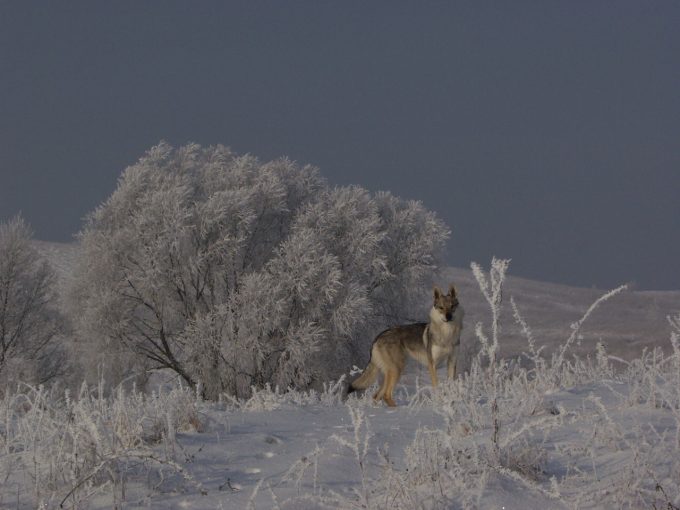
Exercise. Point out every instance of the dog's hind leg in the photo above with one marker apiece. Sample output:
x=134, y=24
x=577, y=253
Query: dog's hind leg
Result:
x=393, y=376
x=391, y=381
x=378, y=358
x=382, y=389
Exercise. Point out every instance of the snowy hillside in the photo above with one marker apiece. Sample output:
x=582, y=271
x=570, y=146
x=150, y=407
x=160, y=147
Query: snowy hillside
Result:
x=569, y=436
x=597, y=432
x=626, y=324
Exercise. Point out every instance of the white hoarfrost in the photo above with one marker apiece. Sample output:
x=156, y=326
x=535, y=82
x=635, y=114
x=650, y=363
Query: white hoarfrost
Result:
x=30, y=323
x=235, y=273
x=558, y=432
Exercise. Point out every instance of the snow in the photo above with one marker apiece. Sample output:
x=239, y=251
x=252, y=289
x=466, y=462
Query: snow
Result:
x=244, y=447
x=595, y=433
x=603, y=442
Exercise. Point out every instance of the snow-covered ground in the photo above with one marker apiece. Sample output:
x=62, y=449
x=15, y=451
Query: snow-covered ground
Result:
x=602, y=432
x=597, y=440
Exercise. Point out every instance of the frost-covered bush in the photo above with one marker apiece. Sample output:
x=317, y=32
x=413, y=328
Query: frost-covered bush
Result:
x=58, y=450
x=236, y=273
x=29, y=320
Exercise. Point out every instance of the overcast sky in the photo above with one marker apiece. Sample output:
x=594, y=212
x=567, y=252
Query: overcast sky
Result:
x=545, y=132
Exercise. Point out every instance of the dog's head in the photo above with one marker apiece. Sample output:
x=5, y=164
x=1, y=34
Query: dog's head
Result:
x=445, y=304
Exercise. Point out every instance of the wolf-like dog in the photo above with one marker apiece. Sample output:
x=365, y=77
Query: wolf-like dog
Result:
x=428, y=342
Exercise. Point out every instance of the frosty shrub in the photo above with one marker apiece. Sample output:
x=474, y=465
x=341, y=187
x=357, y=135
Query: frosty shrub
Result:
x=29, y=323
x=61, y=450
x=235, y=273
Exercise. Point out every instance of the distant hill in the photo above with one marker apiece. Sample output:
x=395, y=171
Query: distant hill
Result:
x=62, y=257
x=626, y=324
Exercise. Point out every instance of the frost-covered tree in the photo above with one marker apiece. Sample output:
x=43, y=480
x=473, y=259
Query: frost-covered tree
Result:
x=29, y=321
x=236, y=273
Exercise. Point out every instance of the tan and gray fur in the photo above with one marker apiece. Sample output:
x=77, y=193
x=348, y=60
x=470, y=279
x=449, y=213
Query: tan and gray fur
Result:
x=428, y=342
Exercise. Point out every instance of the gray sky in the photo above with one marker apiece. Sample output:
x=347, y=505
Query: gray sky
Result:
x=545, y=132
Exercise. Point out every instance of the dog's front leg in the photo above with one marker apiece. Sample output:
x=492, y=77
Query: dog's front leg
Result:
x=451, y=367
x=433, y=371
x=451, y=362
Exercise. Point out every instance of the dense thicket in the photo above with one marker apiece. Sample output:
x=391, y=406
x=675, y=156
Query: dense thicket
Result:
x=236, y=273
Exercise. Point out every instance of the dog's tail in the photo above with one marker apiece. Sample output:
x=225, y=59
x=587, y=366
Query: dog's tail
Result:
x=366, y=379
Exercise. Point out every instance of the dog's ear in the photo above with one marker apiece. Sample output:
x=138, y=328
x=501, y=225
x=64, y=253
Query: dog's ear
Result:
x=452, y=290
x=437, y=293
